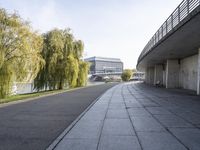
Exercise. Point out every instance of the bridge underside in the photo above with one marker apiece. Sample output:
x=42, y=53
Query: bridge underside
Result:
x=183, y=41
x=174, y=61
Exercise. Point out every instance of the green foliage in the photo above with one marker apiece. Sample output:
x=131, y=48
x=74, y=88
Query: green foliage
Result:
x=20, y=48
x=6, y=74
x=126, y=75
x=62, y=55
x=72, y=71
x=53, y=60
x=83, y=73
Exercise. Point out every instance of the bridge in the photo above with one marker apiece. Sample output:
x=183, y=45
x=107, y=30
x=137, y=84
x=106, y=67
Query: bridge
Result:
x=172, y=56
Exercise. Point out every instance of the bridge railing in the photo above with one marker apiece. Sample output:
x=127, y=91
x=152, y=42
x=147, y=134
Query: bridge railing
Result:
x=182, y=11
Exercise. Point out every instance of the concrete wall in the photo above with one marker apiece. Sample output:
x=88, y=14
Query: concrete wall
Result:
x=172, y=74
x=184, y=73
x=198, y=74
x=149, y=75
x=158, y=74
x=188, y=73
x=146, y=76
x=164, y=77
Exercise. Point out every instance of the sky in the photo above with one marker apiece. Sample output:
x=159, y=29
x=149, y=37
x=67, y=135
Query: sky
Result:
x=108, y=28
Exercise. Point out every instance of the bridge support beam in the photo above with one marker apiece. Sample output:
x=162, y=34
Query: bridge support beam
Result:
x=158, y=74
x=198, y=75
x=172, y=74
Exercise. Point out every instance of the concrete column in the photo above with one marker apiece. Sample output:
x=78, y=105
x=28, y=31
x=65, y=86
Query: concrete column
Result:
x=164, y=78
x=146, y=76
x=158, y=74
x=151, y=75
x=172, y=74
x=198, y=75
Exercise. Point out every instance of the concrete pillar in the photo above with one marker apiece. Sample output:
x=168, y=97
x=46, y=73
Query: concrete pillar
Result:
x=151, y=75
x=172, y=74
x=146, y=76
x=164, y=78
x=198, y=75
x=158, y=74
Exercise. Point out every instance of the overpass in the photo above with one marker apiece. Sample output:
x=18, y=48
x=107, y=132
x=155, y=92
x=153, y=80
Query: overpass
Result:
x=172, y=56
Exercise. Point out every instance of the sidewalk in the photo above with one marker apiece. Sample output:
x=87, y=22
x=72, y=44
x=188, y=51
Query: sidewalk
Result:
x=134, y=116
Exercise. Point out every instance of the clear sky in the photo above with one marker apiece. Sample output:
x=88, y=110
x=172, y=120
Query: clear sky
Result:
x=109, y=28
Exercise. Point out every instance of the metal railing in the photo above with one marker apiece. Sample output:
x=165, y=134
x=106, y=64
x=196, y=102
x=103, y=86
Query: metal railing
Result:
x=182, y=11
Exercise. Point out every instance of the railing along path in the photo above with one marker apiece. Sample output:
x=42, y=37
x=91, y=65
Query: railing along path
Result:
x=182, y=11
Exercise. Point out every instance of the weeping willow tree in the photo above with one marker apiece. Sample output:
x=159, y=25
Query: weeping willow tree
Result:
x=83, y=73
x=83, y=66
x=77, y=69
x=20, y=48
x=72, y=71
x=53, y=52
x=62, y=54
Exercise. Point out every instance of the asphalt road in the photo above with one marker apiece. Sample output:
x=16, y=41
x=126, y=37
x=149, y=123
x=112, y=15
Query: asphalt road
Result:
x=34, y=125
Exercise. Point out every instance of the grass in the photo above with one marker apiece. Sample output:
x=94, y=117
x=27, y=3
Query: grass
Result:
x=31, y=95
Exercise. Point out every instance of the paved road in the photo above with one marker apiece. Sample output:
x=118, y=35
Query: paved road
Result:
x=33, y=125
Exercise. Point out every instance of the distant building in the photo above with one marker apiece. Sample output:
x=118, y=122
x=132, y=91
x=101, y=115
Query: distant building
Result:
x=138, y=76
x=105, y=66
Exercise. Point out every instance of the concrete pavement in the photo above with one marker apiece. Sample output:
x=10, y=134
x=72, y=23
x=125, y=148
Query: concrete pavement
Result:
x=34, y=125
x=134, y=116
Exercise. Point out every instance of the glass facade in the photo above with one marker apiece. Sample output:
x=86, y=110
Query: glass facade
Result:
x=100, y=65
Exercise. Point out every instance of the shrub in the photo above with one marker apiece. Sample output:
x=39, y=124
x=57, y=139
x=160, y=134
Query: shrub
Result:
x=126, y=75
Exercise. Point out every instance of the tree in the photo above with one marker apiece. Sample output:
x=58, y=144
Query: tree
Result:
x=62, y=54
x=83, y=66
x=83, y=72
x=72, y=71
x=20, y=48
x=54, y=53
x=126, y=75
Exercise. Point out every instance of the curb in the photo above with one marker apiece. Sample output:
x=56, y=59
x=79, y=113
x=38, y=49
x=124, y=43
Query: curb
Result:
x=53, y=145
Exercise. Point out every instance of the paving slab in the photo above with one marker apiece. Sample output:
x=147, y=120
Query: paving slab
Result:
x=192, y=117
x=117, y=113
x=135, y=112
x=173, y=121
x=142, y=124
x=119, y=143
x=133, y=116
x=159, y=141
x=158, y=111
x=147, y=102
x=95, y=115
x=117, y=127
x=117, y=106
x=133, y=105
x=189, y=136
x=77, y=144
x=89, y=129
